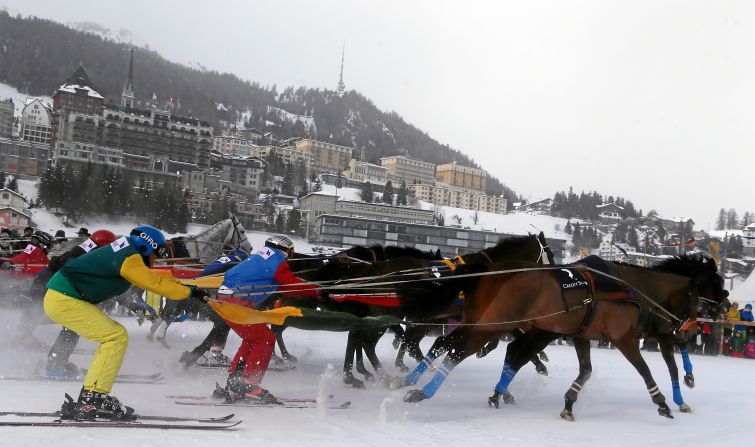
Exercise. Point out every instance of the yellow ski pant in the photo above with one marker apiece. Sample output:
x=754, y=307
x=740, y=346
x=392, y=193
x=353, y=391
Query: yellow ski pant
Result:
x=87, y=320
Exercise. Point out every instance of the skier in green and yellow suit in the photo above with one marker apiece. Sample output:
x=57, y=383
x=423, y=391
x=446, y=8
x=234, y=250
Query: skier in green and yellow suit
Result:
x=71, y=299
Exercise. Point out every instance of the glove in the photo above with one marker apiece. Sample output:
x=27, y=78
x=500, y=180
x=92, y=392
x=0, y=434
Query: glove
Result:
x=199, y=294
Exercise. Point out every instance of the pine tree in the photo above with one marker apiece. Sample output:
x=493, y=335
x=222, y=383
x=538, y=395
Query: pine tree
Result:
x=732, y=219
x=402, y=196
x=388, y=193
x=293, y=224
x=366, y=193
x=317, y=185
x=633, y=238
x=13, y=184
x=568, y=228
x=721, y=221
x=280, y=222
x=2, y=179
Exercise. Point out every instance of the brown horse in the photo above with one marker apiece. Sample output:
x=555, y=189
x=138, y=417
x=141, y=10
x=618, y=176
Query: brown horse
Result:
x=507, y=296
x=707, y=284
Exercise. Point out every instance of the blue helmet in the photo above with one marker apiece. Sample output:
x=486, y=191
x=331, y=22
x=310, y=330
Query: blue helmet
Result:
x=148, y=240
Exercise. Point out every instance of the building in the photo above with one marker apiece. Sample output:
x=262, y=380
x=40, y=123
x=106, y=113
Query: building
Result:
x=317, y=204
x=13, y=212
x=24, y=157
x=287, y=154
x=243, y=174
x=541, y=206
x=326, y=157
x=462, y=176
x=748, y=239
x=36, y=122
x=367, y=172
x=233, y=145
x=409, y=170
x=447, y=195
x=153, y=143
x=346, y=231
x=609, y=212
x=613, y=251
x=6, y=118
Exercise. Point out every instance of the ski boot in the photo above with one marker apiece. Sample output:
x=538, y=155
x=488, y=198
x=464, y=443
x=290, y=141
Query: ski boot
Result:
x=189, y=358
x=92, y=406
x=241, y=388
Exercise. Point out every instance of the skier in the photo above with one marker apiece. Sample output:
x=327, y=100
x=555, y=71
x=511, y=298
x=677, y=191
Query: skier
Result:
x=83, y=282
x=34, y=257
x=265, y=271
x=216, y=339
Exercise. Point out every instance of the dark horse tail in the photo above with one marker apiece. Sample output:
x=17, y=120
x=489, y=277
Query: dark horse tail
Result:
x=429, y=299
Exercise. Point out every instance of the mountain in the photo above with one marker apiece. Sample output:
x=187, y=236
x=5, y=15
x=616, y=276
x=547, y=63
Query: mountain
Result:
x=37, y=55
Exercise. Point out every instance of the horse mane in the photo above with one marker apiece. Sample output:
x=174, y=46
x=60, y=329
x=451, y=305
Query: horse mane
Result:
x=688, y=265
x=509, y=243
x=410, y=252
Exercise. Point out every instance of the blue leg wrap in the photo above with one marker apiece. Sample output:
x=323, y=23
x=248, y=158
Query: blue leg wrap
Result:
x=677, y=392
x=432, y=387
x=507, y=375
x=686, y=361
x=413, y=377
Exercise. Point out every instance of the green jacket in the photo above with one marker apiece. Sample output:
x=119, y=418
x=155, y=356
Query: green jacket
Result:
x=109, y=271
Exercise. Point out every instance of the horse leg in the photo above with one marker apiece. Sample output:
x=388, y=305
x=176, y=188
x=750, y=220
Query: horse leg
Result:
x=488, y=348
x=440, y=346
x=399, y=335
x=666, y=343
x=539, y=365
x=369, y=345
x=462, y=346
x=582, y=347
x=287, y=356
x=410, y=344
x=348, y=363
x=518, y=353
x=359, y=347
x=629, y=346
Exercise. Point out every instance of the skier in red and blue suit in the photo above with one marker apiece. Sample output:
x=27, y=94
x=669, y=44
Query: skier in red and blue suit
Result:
x=249, y=284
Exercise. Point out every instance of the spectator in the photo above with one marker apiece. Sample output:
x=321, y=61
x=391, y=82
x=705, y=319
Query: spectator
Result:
x=745, y=315
x=83, y=232
x=750, y=344
x=705, y=329
x=6, y=250
x=21, y=241
x=60, y=236
x=731, y=315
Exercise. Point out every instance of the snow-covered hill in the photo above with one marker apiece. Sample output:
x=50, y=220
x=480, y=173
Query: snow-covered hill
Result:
x=19, y=99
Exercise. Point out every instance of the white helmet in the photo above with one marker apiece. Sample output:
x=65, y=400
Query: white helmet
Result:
x=281, y=242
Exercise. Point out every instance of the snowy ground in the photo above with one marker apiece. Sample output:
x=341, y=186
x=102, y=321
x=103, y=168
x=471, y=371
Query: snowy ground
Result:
x=614, y=409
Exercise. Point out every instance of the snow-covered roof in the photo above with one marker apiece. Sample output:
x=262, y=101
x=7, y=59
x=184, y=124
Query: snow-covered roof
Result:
x=604, y=205
x=72, y=88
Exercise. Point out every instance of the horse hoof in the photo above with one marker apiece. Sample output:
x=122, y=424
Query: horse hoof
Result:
x=291, y=359
x=543, y=356
x=369, y=377
x=508, y=399
x=354, y=382
x=541, y=369
x=403, y=368
x=684, y=408
x=493, y=401
x=665, y=412
x=567, y=416
x=398, y=383
x=414, y=396
x=689, y=380
x=396, y=343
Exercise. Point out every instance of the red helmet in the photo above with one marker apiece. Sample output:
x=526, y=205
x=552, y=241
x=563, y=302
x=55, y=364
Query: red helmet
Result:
x=103, y=237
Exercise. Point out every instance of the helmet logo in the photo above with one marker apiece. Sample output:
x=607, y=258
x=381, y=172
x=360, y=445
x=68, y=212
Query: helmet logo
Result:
x=149, y=240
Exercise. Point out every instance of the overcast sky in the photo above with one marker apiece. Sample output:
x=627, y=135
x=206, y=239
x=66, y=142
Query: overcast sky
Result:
x=652, y=101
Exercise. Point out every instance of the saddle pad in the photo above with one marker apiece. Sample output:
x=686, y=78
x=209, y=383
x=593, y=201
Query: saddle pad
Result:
x=602, y=282
x=571, y=279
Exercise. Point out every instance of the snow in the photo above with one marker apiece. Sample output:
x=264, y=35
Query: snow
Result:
x=72, y=88
x=613, y=410
x=19, y=99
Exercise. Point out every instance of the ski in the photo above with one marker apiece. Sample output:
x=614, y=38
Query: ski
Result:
x=222, y=399
x=253, y=404
x=153, y=376
x=119, y=424
x=56, y=414
x=205, y=365
x=119, y=379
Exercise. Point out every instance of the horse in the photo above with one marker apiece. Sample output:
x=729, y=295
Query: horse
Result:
x=205, y=247
x=506, y=296
x=406, y=258
x=527, y=248
x=650, y=324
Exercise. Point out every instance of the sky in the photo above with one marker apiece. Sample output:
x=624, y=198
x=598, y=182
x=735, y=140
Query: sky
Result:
x=653, y=101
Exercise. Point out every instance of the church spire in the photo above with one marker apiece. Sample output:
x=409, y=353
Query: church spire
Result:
x=341, y=86
x=127, y=97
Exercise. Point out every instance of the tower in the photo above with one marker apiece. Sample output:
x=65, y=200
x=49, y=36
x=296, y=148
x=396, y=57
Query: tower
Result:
x=341, y=90
x=127, y=97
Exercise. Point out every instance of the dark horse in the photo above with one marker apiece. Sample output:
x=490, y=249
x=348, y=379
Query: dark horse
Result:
x=706, y=283
x=523, y=295
x=520, y=248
